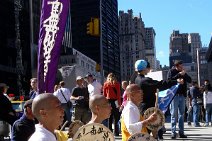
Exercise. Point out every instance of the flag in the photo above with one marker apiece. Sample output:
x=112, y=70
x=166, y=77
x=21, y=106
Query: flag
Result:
x=165, y=97
x=52, y=26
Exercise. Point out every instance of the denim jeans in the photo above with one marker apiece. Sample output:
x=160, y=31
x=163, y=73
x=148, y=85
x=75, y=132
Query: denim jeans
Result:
x=208, y=113
x=196, y=112
x=68, y=113
x=190, y=115
x=178, y=103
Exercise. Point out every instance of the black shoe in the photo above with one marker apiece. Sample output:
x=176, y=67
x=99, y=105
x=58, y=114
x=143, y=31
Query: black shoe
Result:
x=189, y=123
x=173, y=136
x=183, y=136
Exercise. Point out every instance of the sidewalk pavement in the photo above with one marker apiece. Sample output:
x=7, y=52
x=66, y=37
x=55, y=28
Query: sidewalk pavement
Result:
x=193, y=133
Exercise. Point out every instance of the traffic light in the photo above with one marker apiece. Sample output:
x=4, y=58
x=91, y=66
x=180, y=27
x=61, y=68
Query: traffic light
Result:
x=98, y=67
x=93, y=27
x=96, y=26
x=90, y=28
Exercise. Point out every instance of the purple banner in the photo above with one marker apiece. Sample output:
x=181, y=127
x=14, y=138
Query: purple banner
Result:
x=52, y=25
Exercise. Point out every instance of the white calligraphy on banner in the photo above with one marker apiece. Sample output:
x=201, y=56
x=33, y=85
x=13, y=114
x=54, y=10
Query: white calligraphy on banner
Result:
x=51, y=28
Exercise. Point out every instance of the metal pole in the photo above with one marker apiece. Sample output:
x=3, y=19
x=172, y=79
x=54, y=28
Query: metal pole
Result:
x=19, y=64
x=31, y=34
x=198, y=67
x=101, y=49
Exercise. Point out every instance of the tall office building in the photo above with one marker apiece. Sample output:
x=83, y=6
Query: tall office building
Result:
x=179, y=49
x=105, y=50
x=209, y=60
x=194, y=40
x=15, y=45
x=132, y=42
x=203, y=64
x=150, y=49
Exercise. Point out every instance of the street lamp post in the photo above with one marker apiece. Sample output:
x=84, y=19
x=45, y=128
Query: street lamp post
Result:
x=19, y=64
x=101, y=49
x=198, y=67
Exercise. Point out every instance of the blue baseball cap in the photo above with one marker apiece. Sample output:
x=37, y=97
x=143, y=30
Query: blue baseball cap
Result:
x=140, y=65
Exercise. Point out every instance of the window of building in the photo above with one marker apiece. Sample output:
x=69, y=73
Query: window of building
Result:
x=82, y=63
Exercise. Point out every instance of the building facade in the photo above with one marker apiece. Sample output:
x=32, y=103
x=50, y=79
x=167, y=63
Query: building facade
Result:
x=131, y=41
x=209, y=61
x=150, y=49
x=15, y=64
x=103, y=49
x=203, y=64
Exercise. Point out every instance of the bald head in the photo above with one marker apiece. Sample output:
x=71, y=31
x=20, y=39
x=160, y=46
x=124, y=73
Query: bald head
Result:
x=134, y=93
x=96, y=100
x=132, y=88
x=41, y=102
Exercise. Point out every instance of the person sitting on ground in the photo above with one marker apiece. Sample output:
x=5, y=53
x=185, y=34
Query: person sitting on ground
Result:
x=132, y=122
x=24, y=127
x=100, y=108
x=49, y=112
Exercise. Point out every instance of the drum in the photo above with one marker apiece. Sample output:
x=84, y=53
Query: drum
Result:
x=159, y=122
x=74, y=127
x=94, y=132
x=141, y=137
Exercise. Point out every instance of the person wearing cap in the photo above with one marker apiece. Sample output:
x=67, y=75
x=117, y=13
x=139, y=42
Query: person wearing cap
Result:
x=64, y=95
x=7, y=113
x=150, y=86
x=177, y=107
x=94, y=87
x=81, y=96
x=5, y=91
x=24, y=127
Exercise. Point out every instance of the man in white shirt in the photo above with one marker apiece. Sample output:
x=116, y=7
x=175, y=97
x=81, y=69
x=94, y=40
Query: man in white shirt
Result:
x=132, y=122
x=64, y=95
x=94, y=87
x=48, y=111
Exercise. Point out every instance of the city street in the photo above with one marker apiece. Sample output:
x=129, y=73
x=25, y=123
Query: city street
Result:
x=193, y=133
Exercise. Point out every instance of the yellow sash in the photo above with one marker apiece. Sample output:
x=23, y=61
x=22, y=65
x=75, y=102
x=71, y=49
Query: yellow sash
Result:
x=125, y=133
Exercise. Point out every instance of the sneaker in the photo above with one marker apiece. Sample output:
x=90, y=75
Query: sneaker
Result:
x=183, y=136
x=189, y=123
x=173, y=136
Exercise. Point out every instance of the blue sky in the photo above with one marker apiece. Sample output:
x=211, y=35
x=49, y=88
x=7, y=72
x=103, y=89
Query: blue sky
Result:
x=187, y=16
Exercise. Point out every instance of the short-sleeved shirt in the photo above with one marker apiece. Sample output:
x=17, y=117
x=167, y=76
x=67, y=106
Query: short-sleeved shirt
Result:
x=94, y=88
x=78, y=91
x=65, y=92
x=42, y=134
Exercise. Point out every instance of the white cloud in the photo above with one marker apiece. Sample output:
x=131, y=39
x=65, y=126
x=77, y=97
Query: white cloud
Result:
x=161, y=54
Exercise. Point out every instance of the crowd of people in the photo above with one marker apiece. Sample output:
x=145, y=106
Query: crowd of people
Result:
x=121, y=110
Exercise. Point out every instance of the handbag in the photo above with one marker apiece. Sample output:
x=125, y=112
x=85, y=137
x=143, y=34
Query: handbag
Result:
x=69, y=103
